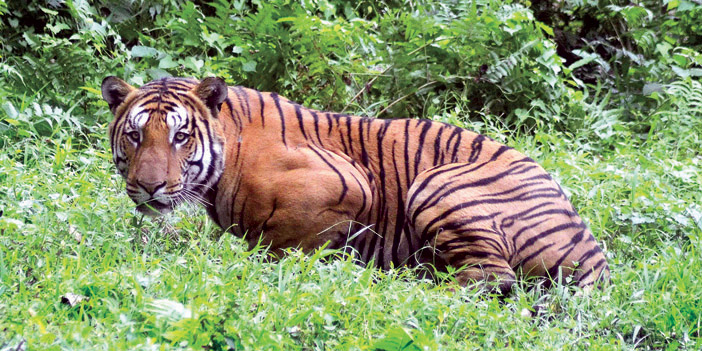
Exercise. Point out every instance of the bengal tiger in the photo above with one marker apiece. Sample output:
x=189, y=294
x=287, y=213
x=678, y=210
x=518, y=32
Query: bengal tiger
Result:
x=396, y=192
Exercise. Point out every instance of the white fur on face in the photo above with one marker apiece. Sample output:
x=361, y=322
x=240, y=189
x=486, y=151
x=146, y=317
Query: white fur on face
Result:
x=138, y=118
x=175, y=121
x=135, y=121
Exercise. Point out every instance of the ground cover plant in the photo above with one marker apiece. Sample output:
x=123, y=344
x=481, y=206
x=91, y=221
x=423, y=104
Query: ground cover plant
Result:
x=605, y=95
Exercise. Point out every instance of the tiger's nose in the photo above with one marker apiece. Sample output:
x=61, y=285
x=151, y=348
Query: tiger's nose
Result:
x=151, y=187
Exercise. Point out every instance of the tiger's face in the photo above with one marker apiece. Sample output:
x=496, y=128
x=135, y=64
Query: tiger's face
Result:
x=166, y=139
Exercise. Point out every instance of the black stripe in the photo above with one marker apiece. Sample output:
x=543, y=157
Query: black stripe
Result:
x=544, y=176
x=574, y=240
x=243, y=97
x=459, y=136
x=264, y=225
x=595, y=268
x=534, y=239
x=329, y=123
x=589, y=254
x=341, y=133
x=469, y=204
x=282, y=118
x=344, y=187
x=380, y=138
x=230, y=106
x=525, y=229
x=437, y=145
x=463, y=222
x=470, y=240
x=362, y=142
x=476, y=148
x=315, y=117
x=499, y=152
x=535, y=253
x=524, y=159
x=263, y=106
x=349, y=135
x=363, y=193
x=420, y=188
x=435, y=197
x=426, y=125
x=298, y=114
x=400, y=215
x=562, y=211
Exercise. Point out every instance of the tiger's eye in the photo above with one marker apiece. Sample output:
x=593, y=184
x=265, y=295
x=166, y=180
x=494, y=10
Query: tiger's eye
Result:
x=134, y=135
x=180, y=136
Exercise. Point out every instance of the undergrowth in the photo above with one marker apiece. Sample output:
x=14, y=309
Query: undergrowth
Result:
x=618, y=125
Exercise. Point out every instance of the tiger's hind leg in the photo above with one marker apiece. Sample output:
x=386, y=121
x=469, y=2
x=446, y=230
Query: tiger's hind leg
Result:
x=499, y=215
x=475, y=260
x=456, y=231
x=478, y=260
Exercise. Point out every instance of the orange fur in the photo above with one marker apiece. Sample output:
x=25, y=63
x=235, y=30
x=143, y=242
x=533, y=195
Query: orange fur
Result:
x=395, y=191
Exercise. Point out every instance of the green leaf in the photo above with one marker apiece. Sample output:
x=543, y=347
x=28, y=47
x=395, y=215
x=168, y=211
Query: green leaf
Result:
x=157, y=73
x=11, y=121
x=286, y=19
x=30, y=39
x=686, y=5
x=167, y=62
x=143, y=51
x=55, y=28
x=96, y=92
x=681, y=72
x=193, y=64
x=396, y=339
x=545, y=28
x=299, y=318
x=10, y=110
x=249, y=66
x=49, y=11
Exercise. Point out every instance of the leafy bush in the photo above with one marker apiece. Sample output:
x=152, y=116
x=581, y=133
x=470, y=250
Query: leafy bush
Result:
x=399, y=64
x=633, y=50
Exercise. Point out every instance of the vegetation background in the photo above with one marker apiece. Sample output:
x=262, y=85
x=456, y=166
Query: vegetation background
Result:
x=606, y=94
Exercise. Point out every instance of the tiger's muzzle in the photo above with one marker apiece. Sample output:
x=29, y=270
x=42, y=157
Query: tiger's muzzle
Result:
x=150, y=197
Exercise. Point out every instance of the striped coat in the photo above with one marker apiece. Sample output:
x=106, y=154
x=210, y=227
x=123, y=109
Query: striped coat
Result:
x=397, y=192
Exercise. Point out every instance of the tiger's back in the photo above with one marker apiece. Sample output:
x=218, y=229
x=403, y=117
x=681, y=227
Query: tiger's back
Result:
x=397, y=191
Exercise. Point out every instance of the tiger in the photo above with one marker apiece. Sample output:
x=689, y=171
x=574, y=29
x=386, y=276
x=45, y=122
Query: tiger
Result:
x=395, y=192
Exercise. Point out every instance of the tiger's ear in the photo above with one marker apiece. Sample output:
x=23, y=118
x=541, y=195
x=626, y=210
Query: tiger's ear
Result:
x=212, y=91
x=114, y=91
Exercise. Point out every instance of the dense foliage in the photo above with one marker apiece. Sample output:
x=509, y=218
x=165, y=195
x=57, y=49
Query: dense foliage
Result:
x=605, y=94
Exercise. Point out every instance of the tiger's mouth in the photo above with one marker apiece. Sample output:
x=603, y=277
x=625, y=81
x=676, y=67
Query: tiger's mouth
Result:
x=154, y=204
x=153, y=207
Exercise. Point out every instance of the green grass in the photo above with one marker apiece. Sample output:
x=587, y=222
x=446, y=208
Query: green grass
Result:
x=628, y=157
x=179, y=282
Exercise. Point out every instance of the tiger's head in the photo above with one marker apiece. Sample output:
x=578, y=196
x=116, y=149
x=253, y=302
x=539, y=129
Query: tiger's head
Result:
x=166, y=139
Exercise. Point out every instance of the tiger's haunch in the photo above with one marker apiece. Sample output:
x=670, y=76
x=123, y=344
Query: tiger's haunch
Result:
x=398, y=192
